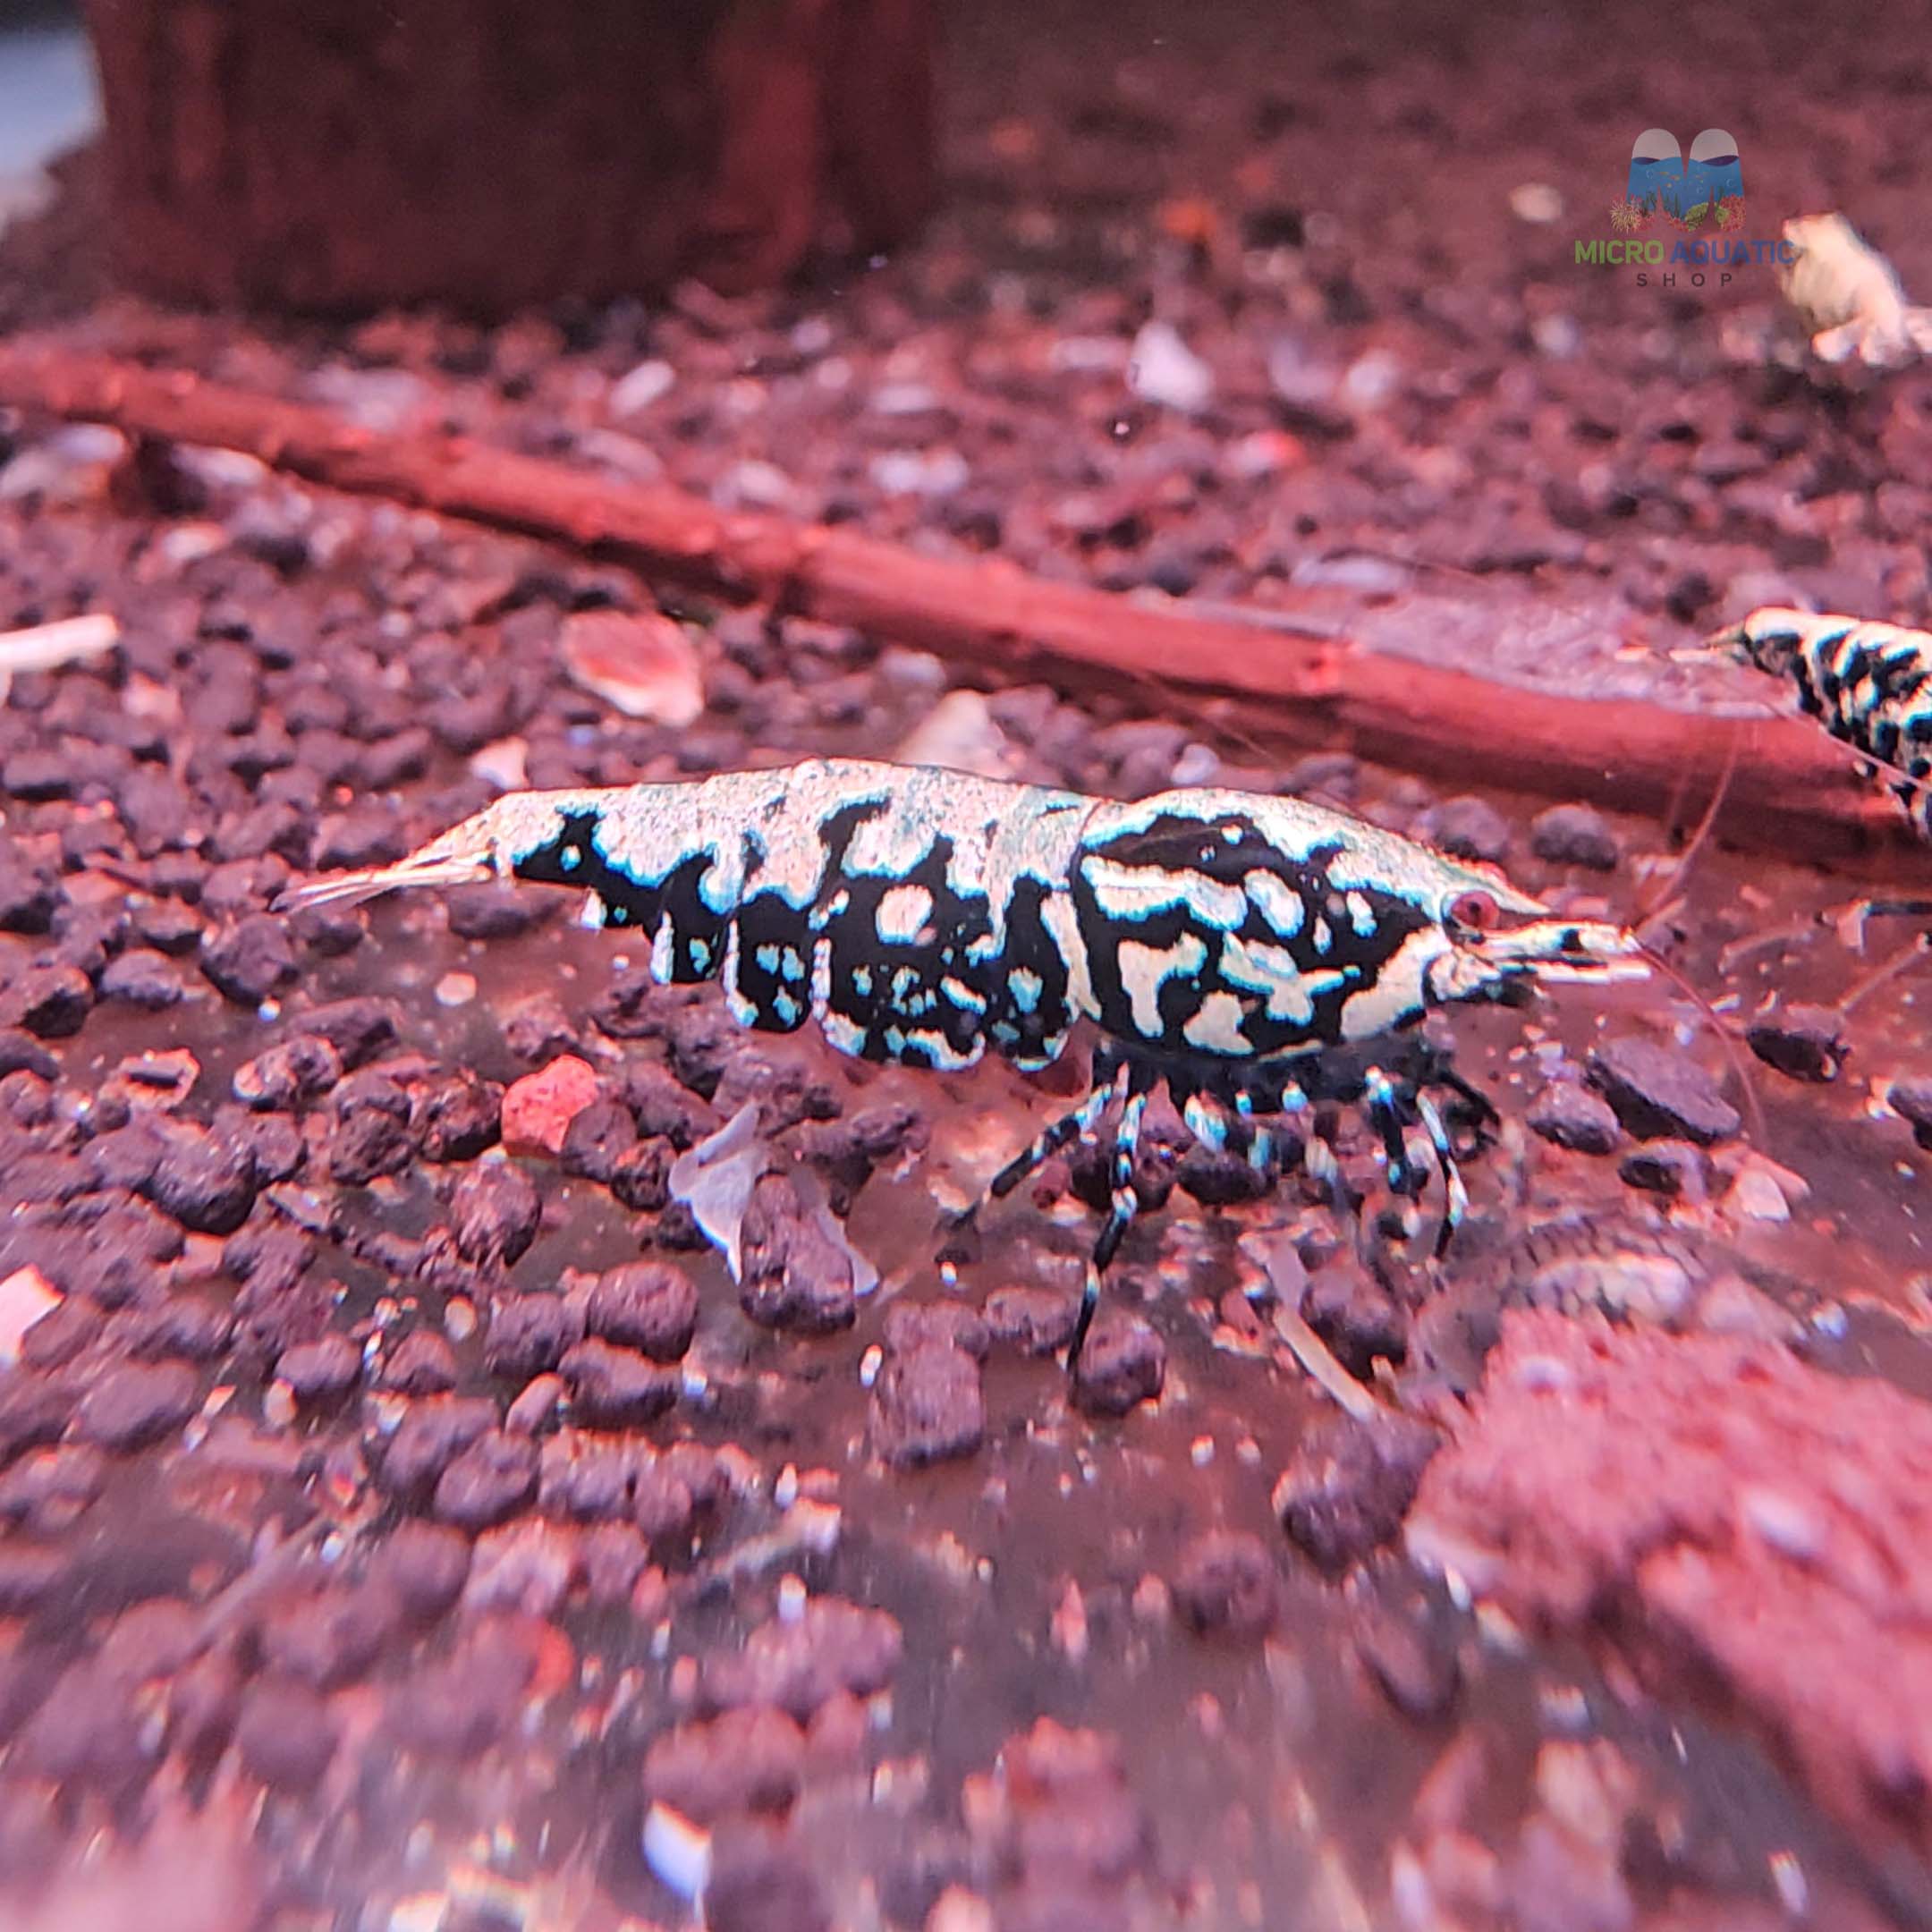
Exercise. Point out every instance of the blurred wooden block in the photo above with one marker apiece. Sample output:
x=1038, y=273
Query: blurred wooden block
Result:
x=483, y=155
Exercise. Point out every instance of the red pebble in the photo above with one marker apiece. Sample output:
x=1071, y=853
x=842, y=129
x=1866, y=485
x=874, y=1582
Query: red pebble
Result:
x=539, y=1108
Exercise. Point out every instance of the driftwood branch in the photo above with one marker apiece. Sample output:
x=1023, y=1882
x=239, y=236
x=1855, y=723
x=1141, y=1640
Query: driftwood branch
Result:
x=1792, y=792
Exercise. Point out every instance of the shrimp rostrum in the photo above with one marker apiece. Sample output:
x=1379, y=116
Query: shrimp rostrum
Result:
x=1259, y=955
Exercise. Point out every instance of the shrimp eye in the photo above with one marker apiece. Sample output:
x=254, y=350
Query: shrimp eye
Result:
x=1473, y=911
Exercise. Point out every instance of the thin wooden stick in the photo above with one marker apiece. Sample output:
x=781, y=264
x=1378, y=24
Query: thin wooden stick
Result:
x=48, y=647
x=1792, y=795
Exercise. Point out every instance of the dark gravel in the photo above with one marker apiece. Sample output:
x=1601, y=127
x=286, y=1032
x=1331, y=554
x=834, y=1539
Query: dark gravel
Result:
x=1672, y=1168
x=489, y=1483
x=927, y=1404
x=648, y=1305
x=1344, y=1493
x=1574, y=834
x=615, y=1387
x=1124, y=1362
x=1572, y=1116
x=1808, y=1043
x=137, y=1403
x=1657, y=1091
x=1226, y=1585
x=794, y=1278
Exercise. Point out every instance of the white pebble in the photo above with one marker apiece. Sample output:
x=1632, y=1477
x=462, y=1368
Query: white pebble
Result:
x=1086, y=355
x=919, y=472
x=1787, y=1525
x=502, y=764
x=1162, y=369
x=815, y=1525
x=455, y=989
x=1758, y=1197
x=1787, y=1875
x=25, y=1296
x=761, y=485
x=903, y=399
x=1197, y=765
x=677, y=1850
x=1371, y=380
x=1545, y=1372
x=1557, y=337
x=1536, y=202
x=642, y=387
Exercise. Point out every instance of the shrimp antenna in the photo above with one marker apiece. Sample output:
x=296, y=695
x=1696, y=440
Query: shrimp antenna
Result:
x=1726, y=1039
x=1700, y=834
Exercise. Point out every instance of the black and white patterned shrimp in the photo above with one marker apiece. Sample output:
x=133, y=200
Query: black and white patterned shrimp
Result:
x=1256, y=954
x=1868, y=684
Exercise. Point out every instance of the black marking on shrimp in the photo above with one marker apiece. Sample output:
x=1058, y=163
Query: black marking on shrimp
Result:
x=1030, y=1009
x=576, y=858
x=1204, y=936
x=1870, y=684
x=904, y=970
x=1259, y=955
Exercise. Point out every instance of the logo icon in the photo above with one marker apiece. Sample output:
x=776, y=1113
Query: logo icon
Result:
x=1655, y=169
x=1664, y=186
x=1683, y=217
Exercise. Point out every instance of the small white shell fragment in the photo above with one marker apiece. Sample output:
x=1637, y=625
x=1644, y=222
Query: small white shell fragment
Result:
x=753, y=483
x=1537, y=202
x=959, y=1910
x=1793, y=1889
x=678, y=1852
x=643, y=663
x=1757, y=1197
x=1782, y=1522
x=1161, y=369
x=68, y=467
x=646, y=383
x=960, y=734
x=920, y=472
x=815, y=1526
x=422, y=1913
x=1546, y=1374
x=25, y=1296
x=502, y=764
x=715, y=1180
x=1069, y=1624
x=455, y=989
